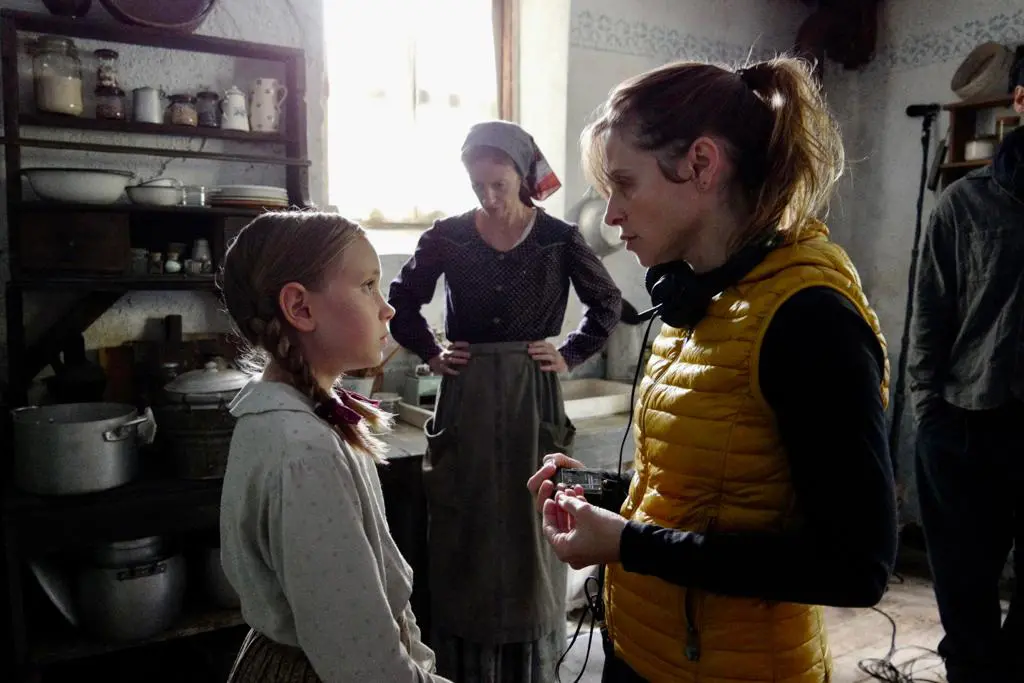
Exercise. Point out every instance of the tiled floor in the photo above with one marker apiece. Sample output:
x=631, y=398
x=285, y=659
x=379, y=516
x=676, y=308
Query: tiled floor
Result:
x=855, y=635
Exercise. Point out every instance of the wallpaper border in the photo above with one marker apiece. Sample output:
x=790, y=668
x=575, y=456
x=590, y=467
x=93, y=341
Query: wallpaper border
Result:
x=604, y=33
x=946, y=44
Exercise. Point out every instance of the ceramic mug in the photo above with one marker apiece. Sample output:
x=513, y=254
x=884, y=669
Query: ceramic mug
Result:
x=265, y=99
x=146, y=105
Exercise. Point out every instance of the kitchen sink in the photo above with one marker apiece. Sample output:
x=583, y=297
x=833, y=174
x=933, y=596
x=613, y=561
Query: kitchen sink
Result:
x=584, y=398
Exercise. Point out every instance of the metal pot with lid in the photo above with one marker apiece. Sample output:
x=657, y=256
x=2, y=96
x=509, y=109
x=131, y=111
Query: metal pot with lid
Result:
x=73, y=448
x=195, y=423
x=130, y=590
x=212, y=385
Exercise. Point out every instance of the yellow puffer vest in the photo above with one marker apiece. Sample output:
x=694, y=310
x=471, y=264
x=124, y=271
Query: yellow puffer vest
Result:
x=708, y=457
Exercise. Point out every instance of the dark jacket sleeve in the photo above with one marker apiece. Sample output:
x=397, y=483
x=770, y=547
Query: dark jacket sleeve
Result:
x=412, y=289
x=600, y=296
x=821, y=370
x=933, y=325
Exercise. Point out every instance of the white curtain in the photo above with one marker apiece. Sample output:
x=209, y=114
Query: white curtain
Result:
x=407, y=80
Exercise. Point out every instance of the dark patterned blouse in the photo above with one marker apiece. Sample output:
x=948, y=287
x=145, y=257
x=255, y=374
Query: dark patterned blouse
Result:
x=493, y=296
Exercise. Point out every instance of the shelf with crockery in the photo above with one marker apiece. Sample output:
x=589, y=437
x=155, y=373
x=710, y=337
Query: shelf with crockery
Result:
x=45, y=120
x=249, y=198
x=126, y=207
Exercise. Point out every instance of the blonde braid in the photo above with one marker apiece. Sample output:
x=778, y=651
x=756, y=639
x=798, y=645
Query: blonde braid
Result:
x=289, y=357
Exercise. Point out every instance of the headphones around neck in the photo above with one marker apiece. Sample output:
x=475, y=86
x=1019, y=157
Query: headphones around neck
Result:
x=681, y=297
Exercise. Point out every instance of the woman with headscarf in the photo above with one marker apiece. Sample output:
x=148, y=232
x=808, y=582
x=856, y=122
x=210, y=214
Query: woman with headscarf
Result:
x=497, y=590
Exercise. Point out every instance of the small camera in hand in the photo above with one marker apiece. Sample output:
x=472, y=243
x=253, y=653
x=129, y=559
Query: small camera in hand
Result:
x=603, y=488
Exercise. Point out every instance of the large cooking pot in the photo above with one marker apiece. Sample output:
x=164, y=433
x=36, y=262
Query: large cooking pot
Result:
x=195, y=424
x=74, y=448
x=130, y=590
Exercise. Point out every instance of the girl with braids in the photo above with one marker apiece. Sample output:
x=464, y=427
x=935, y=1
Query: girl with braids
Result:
x=304, y=539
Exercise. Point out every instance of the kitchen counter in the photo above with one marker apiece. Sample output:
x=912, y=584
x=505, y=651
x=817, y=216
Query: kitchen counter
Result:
x=597, y=440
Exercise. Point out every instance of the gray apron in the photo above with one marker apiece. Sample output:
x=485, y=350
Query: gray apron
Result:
x=493, y=576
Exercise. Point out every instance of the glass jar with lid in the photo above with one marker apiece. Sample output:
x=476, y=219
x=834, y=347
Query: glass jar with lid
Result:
x=182, y=111
x=208, y=107
x=57, y=76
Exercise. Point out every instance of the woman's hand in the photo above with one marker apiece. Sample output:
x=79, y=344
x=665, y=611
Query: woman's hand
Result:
x=580, y=533
x=447, y=362
x=548, y=356
x=540, y=485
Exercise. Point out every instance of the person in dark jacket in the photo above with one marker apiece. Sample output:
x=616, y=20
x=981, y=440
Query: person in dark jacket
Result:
x=966, y=366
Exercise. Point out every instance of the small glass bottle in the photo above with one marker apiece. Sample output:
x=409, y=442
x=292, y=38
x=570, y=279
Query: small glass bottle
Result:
x=140, y=261
x=156, y=263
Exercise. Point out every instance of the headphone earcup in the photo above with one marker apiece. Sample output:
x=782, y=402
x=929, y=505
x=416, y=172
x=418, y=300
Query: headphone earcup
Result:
x=672, y=293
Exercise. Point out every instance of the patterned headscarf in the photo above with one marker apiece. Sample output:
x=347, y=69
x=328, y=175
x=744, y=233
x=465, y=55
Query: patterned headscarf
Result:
x=519, y=145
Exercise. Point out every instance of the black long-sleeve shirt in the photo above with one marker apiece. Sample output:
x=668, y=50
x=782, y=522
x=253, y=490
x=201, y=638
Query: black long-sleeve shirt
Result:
x=821, y=369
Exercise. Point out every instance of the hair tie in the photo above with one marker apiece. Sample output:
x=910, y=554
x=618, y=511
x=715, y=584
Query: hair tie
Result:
x=745, y=76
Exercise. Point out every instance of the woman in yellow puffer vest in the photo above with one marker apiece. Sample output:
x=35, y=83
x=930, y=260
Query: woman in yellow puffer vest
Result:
x=763, y=484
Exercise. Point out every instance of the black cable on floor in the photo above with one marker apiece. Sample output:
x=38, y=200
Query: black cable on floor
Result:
x=590, y=610
x=884, y=669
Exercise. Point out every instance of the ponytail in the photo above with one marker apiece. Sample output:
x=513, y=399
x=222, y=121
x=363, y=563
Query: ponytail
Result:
x=804, y=156
x=778, y=132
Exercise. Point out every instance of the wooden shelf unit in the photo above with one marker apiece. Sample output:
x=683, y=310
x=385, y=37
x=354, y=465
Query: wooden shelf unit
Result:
x=35, y=525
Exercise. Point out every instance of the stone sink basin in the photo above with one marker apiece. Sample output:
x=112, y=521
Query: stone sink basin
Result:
x=584, y=398
x=587, y=398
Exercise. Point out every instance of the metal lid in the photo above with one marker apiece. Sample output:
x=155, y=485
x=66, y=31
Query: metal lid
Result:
x=210, y=384
x=53, y=44
x=128, y=552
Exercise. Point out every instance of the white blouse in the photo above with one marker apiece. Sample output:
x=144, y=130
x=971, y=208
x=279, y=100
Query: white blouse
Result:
x=305, y=543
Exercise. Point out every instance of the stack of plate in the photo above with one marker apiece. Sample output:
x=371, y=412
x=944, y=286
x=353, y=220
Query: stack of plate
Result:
x=250, y=197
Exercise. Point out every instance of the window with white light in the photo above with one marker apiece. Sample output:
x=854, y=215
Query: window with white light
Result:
x=407, y=80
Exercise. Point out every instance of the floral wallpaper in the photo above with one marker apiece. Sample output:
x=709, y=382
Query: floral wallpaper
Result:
x=952, y=43
x=599, y=31
x=605, y=33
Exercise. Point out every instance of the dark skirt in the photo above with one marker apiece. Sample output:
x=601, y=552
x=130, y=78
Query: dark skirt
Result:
x=464, y=661
x=261, y=660
x=497, y=589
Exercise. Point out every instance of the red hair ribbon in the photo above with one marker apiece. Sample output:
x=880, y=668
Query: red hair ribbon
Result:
x=338, y=410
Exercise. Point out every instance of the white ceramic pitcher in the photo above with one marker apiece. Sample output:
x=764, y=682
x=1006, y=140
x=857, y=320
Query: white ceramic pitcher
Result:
x=265, y=99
